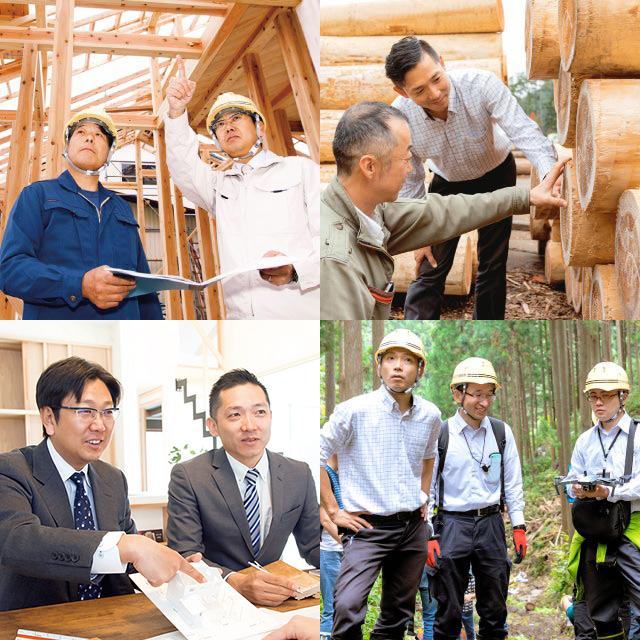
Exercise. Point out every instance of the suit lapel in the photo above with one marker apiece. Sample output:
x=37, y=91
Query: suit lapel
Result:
x=277, y=500
x=104, y=500
x=225, y=480
x=53, y=491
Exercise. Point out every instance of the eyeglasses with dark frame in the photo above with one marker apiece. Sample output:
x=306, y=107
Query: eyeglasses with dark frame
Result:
x=481, y=396
x=87, y=415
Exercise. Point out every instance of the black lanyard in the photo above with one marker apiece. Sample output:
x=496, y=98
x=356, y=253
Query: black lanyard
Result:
x=484, y=467
x=606, y=455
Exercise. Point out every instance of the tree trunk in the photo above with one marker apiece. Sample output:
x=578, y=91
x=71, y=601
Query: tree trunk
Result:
x=541, y=39
x=377, y=333
x=330, y=370
x=354, y=383
x=627, y=256
x=342, y=396
x=406, y=17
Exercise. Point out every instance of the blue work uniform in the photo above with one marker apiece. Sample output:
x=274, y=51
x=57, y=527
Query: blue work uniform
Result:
x=54, y=235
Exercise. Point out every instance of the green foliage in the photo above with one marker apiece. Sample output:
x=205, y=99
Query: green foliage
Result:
x=536, y=99
x=176, y=454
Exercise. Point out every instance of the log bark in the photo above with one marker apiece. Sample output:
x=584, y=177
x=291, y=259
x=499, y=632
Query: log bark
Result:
x=627, y=254
x=336, y=50
x=587, y=240
x=587, y=277
x=539, y=229
x=406, y=17
x=553, y=264
x=344, y=85
x=599, y=37
x=327, y=171
x=458, y=282
x=567, y=95
x=541, y=39
x=328, y=122
x=605, y=303
x=607, y=142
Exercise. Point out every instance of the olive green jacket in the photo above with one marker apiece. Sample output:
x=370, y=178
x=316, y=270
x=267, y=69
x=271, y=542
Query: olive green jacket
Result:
x=350, y=263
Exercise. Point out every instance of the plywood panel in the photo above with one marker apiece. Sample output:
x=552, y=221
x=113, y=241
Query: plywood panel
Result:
x=94, y=354
x=11, y=434
x=32, y=365
x=55, y=352
x=11, y=383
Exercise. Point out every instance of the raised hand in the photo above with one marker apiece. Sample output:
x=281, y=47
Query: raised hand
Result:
x=180, y=90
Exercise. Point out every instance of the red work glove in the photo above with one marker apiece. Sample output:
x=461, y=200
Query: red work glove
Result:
x=434, y=553
x=520, y=543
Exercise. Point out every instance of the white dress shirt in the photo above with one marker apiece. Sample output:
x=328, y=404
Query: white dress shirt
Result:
x=373, y=226
x=275, y=206
x=381, y=451
x=263, y=487
x=588, y=458
x=466, y=485
x=483, y=123
x=106, y=558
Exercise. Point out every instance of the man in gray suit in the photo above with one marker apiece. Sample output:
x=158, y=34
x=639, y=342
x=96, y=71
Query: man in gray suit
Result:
x=239, y=504
x=66, y=531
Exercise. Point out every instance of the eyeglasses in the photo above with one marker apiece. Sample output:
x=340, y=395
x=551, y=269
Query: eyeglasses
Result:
x=232, y=119
x=594, y=397
x=86, y=415
x=482, y=396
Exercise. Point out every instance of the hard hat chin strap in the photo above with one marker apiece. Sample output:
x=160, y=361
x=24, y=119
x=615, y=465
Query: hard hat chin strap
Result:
x=620, y=410
x=88, y=172
x=255, y=147
x=408, y=389
x=461, y=403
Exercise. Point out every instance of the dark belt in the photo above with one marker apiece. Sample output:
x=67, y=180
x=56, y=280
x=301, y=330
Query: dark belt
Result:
x=401, y=516
x=485, y=511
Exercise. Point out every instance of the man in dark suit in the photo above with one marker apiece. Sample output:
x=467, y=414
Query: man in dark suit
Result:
x=239, y=504
x=66, y=531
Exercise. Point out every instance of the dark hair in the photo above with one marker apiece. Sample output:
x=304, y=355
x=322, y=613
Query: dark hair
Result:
x=71, y=375
x=228, y=380
x=364, y=128
x=404, y=56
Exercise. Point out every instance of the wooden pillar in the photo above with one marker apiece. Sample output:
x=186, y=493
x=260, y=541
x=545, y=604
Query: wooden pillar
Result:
x=302, y=76
x=188, y=311
x=140, y=195
x=60, y=86
x=282, y=122
x=258, y=93
x=212, y=295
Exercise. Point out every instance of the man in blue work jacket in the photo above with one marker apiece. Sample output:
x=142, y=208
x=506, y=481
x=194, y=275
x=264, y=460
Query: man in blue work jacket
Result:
x=62, y=233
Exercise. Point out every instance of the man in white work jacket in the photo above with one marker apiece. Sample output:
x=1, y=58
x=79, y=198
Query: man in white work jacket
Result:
x=264, y=204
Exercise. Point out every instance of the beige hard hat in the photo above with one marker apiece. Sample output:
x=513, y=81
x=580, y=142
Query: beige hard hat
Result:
x=235, y=101
x=607, y=376
x=405, y=339
x=97, y=115
x=477, y=370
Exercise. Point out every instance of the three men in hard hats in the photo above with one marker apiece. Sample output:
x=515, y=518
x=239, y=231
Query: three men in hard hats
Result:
x=264, y=204
x=385, y=441
x=605, y=554
x=477, y=472
x=62, y=233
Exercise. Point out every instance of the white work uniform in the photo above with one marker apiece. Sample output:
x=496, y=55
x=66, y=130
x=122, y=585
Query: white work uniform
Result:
x=270, y=204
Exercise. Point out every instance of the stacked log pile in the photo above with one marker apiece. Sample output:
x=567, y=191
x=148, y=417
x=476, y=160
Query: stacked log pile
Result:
x=356, y=38
x=594, y=47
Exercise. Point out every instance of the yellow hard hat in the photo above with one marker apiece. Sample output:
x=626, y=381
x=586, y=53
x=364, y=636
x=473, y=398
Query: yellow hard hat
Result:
x=405, y=339
x=97, y=115
x=477, y=370
x=607, y=376
x=234, y=101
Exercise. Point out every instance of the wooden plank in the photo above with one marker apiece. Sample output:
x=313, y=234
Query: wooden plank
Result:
x=282, y=122
x=302, y=76
x=151, y=45
x=60, y=86
x=212, y=294
x=194, y=7
x=188, y=310
x=140, y=196
x=259, y=94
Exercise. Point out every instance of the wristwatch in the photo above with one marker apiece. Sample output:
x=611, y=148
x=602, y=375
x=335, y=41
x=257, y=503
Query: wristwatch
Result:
x=521, y=526
x=294, y=276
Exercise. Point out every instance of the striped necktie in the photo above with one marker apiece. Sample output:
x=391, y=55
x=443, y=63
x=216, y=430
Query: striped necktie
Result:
x=252, y=507
x=83, y=519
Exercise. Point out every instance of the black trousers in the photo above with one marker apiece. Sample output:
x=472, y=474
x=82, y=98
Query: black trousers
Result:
x=399, y=549
x=608, y=585
x=426, y=294
x=479, y=543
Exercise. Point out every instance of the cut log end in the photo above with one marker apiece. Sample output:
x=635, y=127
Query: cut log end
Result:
x=567, y=25
x=585, y=146
x=627, y=258
x=605, y=303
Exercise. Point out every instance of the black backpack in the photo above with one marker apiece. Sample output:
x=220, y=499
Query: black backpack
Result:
x=499, y=433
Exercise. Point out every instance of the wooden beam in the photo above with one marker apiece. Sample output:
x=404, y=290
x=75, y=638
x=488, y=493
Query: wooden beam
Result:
x=302, y=76
x=121, y=120
x=258, y=92
x=140, y=210
x=188, y=309
x=106, y=43
x=60, y=86
x=213, y=294
x=282, y=123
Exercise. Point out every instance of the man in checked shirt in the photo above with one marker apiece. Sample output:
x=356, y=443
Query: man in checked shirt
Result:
x=465, y=123
x=386, y=443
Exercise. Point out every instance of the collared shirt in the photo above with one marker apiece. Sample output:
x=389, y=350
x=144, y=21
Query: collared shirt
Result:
x=381, y=451
x=373, y=226
x=483, y=123
x=588, y=458
x=272, y=203
x=466, y=485
x=106, y=558
x=263, y=487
